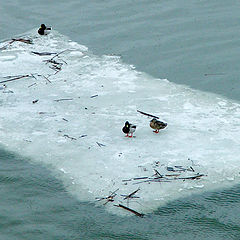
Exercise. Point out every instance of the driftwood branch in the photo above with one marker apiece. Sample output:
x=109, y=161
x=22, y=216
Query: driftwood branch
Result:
x=28, y=41
x=198, y=176
x=213, y=74
x=63, y=99
x=43, y=53
x=49, y=113
x=157, y=180
x=109, y=198
x=84, y=135
x=138, y=178
x=100, y=144
x=157, y=174
x=59, y=54
x=31, y=85
x=177, y=174
x=47, y=79
x=67, y=136
x=55, y=65
x=16, y=78
x=12, y=76
x=180, y=169
x=147, y=114
x=131, y=195
x=130, y=210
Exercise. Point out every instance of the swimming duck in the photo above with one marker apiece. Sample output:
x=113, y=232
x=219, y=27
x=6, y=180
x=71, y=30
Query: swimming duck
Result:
x=156, y=124
x=129, y=128
x=43, y=30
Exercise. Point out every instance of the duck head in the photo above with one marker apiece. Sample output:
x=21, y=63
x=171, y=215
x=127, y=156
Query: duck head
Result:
x=43, y=26
x=126, y=127
x=127, y=124
x=154, y=120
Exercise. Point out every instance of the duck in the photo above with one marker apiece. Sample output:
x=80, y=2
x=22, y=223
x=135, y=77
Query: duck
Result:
x=157, y=125
x=43, y=30
x=129, y=128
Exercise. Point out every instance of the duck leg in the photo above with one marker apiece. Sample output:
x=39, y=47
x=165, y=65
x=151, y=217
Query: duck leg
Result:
x=156, y=131
x=131, y=135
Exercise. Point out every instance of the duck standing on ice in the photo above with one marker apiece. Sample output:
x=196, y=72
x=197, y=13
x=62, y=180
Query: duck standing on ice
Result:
x=43, y=30
x=157, y=125
x=129, y=129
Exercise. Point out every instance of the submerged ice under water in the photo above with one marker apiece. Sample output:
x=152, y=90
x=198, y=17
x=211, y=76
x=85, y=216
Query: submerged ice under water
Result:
x=74, y=125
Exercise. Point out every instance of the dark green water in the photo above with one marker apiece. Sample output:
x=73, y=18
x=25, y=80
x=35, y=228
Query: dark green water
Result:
x=188, y=42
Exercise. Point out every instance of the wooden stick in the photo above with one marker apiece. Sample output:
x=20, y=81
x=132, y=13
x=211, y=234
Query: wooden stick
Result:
x=63, y=99
x=16, y=78
x=171, y=169
x=31, y=85
x=84, y=135
x=46, y=112
x=109, y=198
x=51, y=61
x=13, y=76
x=153, y=180
x=58, y=54
x=94, y=96
x=139, y=178
x=33, y=76
x=157, y=173
x=212, y=74
x=57, y=71
x=43, y=53
x=130, y=210
x=126, y=180
x=172, y=175
x=147, y=114
x=192, y=178
x=100, y=144
x=47, y=79
x=192, y=168
x=131, y=194
x=28, y=41
x=72, y=138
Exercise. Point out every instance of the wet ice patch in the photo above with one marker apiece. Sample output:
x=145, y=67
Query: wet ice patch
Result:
x=68, y=113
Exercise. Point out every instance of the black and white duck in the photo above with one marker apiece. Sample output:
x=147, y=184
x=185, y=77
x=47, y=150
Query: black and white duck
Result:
x=129, y=129
x=43, y=30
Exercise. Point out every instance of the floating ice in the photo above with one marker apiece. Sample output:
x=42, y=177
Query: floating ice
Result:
x=80, y=136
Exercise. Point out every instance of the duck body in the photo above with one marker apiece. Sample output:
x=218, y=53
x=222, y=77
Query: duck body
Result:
x=43, y=30
x=129, y=129
x=157, y=125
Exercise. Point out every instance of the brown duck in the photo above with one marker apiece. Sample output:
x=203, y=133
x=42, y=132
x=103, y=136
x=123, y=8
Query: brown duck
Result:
x=157, y=125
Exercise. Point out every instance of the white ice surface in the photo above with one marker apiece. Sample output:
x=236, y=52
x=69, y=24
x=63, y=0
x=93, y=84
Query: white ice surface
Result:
x=201, y=126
